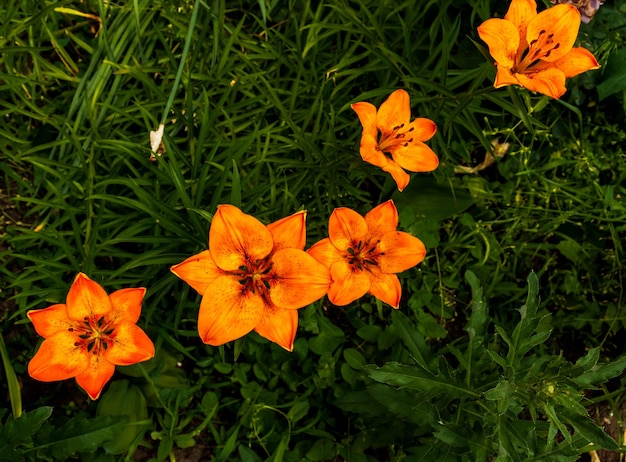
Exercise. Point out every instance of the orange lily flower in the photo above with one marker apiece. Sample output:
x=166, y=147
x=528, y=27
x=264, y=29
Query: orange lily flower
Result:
x=253, y=277
x=363, y=254
x=401, y=138
x=535, y=50
x=89, y=335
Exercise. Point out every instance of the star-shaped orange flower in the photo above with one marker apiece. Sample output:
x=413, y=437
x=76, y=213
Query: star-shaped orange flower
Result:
x=253, y=277
x=363, y=254
x=89, y=335
x=400, y=137
x=536, y=50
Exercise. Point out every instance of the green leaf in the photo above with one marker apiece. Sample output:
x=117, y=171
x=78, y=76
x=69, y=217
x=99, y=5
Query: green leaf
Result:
x=417, y=378
x=329, y=338
x=299, y=410
x=522, y=338
x=280, y=450
x=429, y=199
x=78, y=435
x=235, y=192
x=477, y=322
x=323, y=449
x=124, y=399
x=591, y=432
x=360, y=402
x=412, y=338
x=570, y=249
x=166, y=445
x=406, y=404
x=613, y=75
x=12, y=382
x=19, y=432
x=230, y=445
x=247, y=455
x=601, y=373
x=549, y=410
x=503, y=390
x=354, y=358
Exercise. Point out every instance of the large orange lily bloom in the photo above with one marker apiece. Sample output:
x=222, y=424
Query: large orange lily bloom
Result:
x=89, y=335
x=534, y=50
x=253, y=277
x=401, y=138
x=363, y=254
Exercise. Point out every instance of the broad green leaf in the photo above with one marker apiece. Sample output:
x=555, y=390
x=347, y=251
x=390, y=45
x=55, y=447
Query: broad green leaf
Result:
x=78, y=435
x=416, y=378
x=19, y=432
x=323, y=449
x=247, y=455
x=299, y=410
x=124, y=399
x=591, y=432
x=329, y=338
x=360, y=402
x=601, y=373
x=614, y=75
x=429, y=199
x=413, y=340
x=354, y=358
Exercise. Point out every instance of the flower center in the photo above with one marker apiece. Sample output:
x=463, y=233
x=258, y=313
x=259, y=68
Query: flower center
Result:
x=256, y=276
x=538, y=49
x=94, y=335
x=398, y=136
x=362, y=255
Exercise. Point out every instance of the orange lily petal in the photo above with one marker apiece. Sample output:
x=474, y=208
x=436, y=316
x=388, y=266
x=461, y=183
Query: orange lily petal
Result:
x=131, y=345
x=346, y=226
x=324, y=252
x=422, y=129
x=236, y=238
x=394, y=111
x=347, y=285
x=95, y=377
x=558, y=26
x=399, y=252
x=289, y=232
x=381, y=220
x=367, y=115
x=520, y=13
x=198, y=271
x=279, y=326
x=87, y=299
x=370, y=153
x=386, y=287
x=416, y=157
x=227, y=311
x=577, y=61
x=550, y=82
x=50, y=320
x=399, y=176
x=503, y=39
x=126, y=304
x=504, y=77
x=300, y=279
x=58, y=358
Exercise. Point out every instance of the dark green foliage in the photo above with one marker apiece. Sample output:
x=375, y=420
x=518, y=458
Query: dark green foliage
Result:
x=255, y=100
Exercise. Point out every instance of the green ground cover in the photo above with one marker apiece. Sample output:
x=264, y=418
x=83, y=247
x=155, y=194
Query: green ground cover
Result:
x=509, y=340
